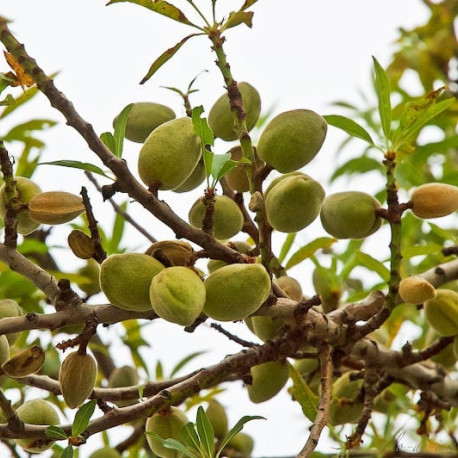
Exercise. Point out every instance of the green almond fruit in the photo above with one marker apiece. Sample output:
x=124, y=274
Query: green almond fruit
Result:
x=91, y=273
x=177, y=295
x=143, y=118
x=242, y=443
x=328, y=288
x=169, y=154
x=291, y=287
x=105, y=452
x=235, y=291
x=194, y=180
x=4, y=349
x=227, y=217
x=237, y=178
x=217, y=416
x=268, y=380
x=121, y=377
x=77, y=376
x=55, y=207
x=350, y=215
x=346, y=406
x=238, y=245
x=264, y=326
x=415, y=290
x=292, y=139
x=293, y=203
x=434, y=200
x=10, y=308
x=167, y=425
x=441, y=313
x=220, y=117
x=25, y=189
x=36, y=412
x=125, y=280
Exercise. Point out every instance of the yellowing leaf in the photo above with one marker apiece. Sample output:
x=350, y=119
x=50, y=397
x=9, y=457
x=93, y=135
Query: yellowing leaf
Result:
x=20, y=76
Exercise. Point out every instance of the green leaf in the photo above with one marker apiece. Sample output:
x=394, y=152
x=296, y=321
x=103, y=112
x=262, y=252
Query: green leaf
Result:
x=8, y=100
x=67, y=452
x=421, y=250
x=221, y=162
x=165, y=56
x=55, y=432
x=237, y=18
x=184, y=362
x=247, y=4
x=308, y=250
x=22, y=131
x=236, y=429
x=118, y=231
x=361, y=165
x=172, y=444
x=301, y=392
x=349, y=126
x=205, y=430
x=78, y=165
x=373, y=264
x=382, y=88
x=83, y=417
x=159, y=371
x=189, y=437
x=120, y=129
x=23, y=98
x=287, y=244
x=109, y=141
x=201, y=127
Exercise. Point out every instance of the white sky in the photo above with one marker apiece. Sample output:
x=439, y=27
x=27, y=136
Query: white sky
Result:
x=299, y=54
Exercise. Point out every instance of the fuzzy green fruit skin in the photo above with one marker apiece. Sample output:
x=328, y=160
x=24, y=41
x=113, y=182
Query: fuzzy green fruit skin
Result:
x=143, y=118
x=236, y=291
x=10, y=308
x=218, y=418
x=92, y=273
x=243, y=443
x=263, y=326
x=237, y=178
x=126, y=278
x=292, y=139
x=177, y=295
x=105, y=452
x=122, y=377
x=36, y=412
x=268, y=380
x=291, y=287
x=4, y=349
x=167, y=425
x=25, y=190
x=220, y=118
x=169, y=154
x=350, y=215
x=345, y=406
x=329, y=292
x=227, y=217
x=194, y=180
x=293, y=203
x=442, y=312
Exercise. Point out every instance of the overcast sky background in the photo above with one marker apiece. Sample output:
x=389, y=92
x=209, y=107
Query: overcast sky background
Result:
x=299, y=54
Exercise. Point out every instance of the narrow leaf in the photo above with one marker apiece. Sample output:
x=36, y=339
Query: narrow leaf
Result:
x=349, y=126
x=360, y=165
x=189, y=437
x=201, y=127
x=247, y=4
x=172, y=444
x=120, y=129
x=55, y=432
x=237, y=18
x=302, y=393
x=82, y=417
x=308, y=250
x=78, y=165
x=382, y=88
x=205, y=430
x=117, y=232
x=421, y=250
x=236, y=429
x=184, y=362
x=287, y=244
x=373, y=264
x=109, y=141
x=67, y=452
x=164, y=57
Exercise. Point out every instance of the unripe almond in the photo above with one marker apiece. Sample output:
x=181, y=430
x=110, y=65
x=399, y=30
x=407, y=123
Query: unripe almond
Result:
x=236, y=291
x=218, y=418
x=220, y=118
x=105, y=452
x=346, y=405
x=143, y=118
x=10, y=308
x=77, y=378
x=264, y=327
x=433, y=200
x=122, y=377
x=237, y=178
x=350, y=215
x=177, y=294
x=91, y=273
x=55, y=207
x=126, y=278
x=25, y=190
x=442, y=312
x=242, y=443
x=290, y=286
x=268, y=380
x=416, y=290
x=25, y=362
x=4, y=349
x=167, y=425
x=194, y=180
x=292, y=139
x=169, y=154
x=227, y=217
x=177, y=252
x=36, y=412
